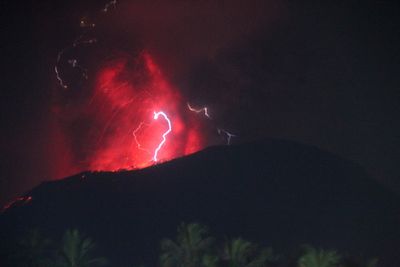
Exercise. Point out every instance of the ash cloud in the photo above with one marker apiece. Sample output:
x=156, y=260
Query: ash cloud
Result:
x=320, y=74
x=178, y=35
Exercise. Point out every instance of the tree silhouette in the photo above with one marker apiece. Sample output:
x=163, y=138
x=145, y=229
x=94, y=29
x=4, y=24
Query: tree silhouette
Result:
x=318, y=258
x=77, y=251
x=242, y=253
x=33, y=250
x=372, y=263
x=191, y=248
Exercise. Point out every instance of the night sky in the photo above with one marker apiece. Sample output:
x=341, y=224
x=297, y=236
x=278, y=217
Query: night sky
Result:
x=320, y=74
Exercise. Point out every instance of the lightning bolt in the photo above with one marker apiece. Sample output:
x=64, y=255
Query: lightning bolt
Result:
x=81, y=40
x=228, y=135
x=156, y=115
x=72, y=62
x=135, y=137
x=220, y=131
x=200, y=110
x=56, y=70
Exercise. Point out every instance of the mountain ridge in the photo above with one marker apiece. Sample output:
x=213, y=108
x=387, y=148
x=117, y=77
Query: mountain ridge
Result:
x=276, y=192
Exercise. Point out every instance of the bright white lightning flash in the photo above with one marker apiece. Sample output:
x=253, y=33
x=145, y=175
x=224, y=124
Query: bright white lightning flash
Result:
x=156, y=114
x=200, y=110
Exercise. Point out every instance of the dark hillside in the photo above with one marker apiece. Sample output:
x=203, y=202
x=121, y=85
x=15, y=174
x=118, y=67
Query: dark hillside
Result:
x=276, y=192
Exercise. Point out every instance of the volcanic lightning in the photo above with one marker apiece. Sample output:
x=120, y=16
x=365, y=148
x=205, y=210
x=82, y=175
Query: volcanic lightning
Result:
x=107, y=6
x=200, y=110
x=164, y=136
x=119, y=96
x=228, y=135
x=139, y=146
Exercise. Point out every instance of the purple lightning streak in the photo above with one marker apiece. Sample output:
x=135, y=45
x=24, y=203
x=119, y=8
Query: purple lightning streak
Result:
x=156, y=114
x=227, y=135
x=139, y=146
x=200, y=110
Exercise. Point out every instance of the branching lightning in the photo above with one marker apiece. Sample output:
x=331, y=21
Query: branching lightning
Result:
x=164, y=135
x=227, y=134
x=204, y=110
x=156, y=115
x=72, y=62
x=81, y=40
x=199, y=110
x=139, y=146
x=122, y=94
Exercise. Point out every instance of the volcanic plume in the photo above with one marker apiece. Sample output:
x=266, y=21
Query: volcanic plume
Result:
x=115, y=127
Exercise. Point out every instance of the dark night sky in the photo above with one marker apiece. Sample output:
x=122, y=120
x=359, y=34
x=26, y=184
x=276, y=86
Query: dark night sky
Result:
x=320, y=74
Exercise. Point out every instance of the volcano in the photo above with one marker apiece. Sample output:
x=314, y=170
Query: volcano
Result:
x=275, y=192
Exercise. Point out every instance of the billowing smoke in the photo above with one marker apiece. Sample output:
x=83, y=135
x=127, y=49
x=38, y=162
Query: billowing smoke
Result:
x=263, y=68
x=113, y=126
x=110, y=88
x=100, y=69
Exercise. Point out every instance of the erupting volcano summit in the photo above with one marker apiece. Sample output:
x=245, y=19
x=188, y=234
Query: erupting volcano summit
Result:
x=133, y=118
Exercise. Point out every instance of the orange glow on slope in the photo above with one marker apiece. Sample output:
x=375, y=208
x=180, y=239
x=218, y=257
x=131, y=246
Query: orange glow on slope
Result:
x=19, y=201
x=124, y=134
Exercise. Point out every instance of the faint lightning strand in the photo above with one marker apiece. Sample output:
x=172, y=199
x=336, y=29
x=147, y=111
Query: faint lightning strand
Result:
x=107, y=6
x=80, y=40
x=156, y=114
x=139, y=146
x=200, y=110
x=56, y=70
x=107, y=125
x=85, y=24
x=228, y=135
x=73, y=62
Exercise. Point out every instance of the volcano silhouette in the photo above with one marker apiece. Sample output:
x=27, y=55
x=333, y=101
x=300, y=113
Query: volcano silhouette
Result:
x=275, y=192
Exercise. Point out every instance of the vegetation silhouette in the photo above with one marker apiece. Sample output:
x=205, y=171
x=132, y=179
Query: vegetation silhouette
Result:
x=313, y=257
x=77, y=251
x=192, y=247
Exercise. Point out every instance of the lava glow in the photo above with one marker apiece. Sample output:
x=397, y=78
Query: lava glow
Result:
x=19, y=201
x=117, y=125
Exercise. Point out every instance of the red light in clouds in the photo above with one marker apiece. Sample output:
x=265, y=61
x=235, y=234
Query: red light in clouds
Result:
x=124, y=132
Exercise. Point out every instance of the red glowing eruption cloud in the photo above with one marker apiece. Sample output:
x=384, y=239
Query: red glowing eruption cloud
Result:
x=126, y=97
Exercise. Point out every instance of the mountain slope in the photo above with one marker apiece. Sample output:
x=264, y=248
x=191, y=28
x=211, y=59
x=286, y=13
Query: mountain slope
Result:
x=275, y=192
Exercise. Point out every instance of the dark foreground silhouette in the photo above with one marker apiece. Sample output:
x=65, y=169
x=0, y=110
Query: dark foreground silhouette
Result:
x=276, y=193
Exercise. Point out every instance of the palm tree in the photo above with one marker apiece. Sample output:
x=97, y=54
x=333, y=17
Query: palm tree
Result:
x=191, y=248
x=242, y=253
x=77, y=251
x=318, y=258
x=372, y=262
x=33, y=249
